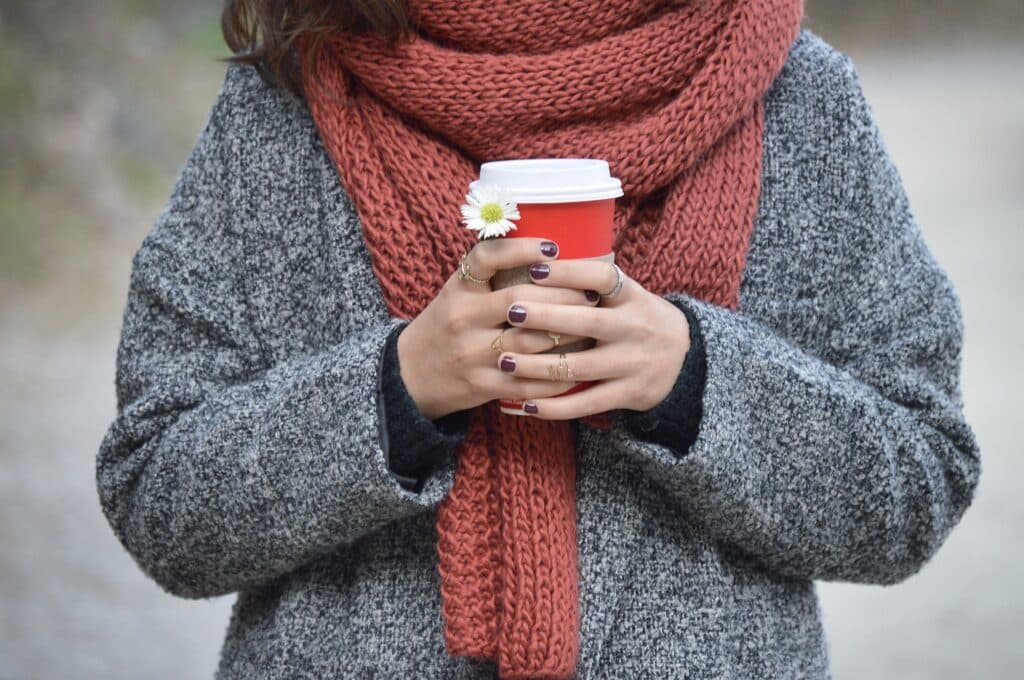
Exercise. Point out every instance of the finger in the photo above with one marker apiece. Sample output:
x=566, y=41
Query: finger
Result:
x=493, y=309
x=584, y=274
x=506, y=386
x=493, y=254
x=601, y=323
x=599, y=363
x=600, y=397
x=489, y=311
x=530, y=341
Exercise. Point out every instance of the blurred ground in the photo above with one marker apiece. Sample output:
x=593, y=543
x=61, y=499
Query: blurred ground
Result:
x=89, y=145
x=99, y=104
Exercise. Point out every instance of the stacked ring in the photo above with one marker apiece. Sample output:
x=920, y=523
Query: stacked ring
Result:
x=464, y=272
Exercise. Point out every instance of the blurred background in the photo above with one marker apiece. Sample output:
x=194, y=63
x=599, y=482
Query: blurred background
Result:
x=100, y=103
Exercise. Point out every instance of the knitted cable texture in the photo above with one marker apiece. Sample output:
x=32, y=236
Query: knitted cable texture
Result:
x=671, y=95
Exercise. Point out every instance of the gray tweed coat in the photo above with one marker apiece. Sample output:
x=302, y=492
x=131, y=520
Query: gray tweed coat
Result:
x=246, y=456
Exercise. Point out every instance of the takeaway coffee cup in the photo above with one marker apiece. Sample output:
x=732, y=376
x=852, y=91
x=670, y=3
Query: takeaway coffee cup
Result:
x=570, y=201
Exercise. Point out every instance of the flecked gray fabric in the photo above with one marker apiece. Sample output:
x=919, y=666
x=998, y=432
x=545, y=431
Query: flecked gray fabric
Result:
x=246, y=454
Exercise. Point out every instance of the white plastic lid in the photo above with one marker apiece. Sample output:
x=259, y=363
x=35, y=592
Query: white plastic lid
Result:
x=551, y=180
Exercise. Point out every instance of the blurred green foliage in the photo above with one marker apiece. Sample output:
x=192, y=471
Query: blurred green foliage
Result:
x=99, y=103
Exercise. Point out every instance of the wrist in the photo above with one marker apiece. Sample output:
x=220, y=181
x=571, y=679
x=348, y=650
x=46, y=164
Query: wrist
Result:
x=414, y=446
x=675, y=421
x=418, y=390
x=676, y=343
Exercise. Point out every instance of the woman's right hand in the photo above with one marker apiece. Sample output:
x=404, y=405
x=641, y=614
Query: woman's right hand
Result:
x=445, y=353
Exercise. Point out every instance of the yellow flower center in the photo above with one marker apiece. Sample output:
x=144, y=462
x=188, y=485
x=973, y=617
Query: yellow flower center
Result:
x=491, y=213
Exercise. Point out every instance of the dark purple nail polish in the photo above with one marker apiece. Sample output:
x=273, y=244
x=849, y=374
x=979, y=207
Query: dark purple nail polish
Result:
x=517, y=314
x=540, y=271
x=592, y=295
x=530, y=407
x=549, y=248
x=508, y=364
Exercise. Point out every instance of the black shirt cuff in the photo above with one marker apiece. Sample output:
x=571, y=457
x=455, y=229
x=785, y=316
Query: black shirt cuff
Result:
x=417, y=446
x=675, y=421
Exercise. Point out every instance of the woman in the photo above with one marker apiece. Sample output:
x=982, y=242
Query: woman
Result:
x=311, y=353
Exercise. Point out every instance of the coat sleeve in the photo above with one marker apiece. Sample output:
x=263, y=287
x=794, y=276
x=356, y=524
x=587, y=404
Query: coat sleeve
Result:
x=848, y=464
x=220, y=472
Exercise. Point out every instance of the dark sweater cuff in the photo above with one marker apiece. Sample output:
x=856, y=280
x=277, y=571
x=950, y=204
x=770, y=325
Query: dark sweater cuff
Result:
x=417, y=446
x=675, y=421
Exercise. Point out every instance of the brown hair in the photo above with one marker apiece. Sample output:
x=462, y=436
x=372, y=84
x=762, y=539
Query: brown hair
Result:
x=263, y=32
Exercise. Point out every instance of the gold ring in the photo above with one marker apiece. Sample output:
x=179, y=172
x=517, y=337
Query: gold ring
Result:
x=464, y=270
x=553, y=372
x=556, y=337
x=496, y=343
x=555, y=369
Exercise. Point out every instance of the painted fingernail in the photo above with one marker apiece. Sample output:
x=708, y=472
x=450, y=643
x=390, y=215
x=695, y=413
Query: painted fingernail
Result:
x=540, y=271
x=592, y=295
x=549, y=248
x=517, y=314
x=508, y=364
x=530, y=407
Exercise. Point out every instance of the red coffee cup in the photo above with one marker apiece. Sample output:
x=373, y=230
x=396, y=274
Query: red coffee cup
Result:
x=570, y=201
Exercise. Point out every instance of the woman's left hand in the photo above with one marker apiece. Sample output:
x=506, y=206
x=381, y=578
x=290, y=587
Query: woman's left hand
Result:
x=642, y=340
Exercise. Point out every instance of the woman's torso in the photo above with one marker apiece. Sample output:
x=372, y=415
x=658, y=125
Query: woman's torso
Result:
x=659, y=597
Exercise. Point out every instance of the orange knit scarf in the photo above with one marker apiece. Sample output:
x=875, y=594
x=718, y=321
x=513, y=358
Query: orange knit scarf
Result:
x=671, y=95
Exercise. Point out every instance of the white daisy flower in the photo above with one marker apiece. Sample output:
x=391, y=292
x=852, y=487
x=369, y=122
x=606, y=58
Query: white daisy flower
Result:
x=489, y=210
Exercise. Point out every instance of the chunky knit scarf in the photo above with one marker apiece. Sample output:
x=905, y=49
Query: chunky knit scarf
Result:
x=671, y=95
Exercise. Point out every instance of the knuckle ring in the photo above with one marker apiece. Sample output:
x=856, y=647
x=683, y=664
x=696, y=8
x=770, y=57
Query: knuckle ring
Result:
x=496, y=343
x=556, y=337
x=618, y=284
x=464, y=272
